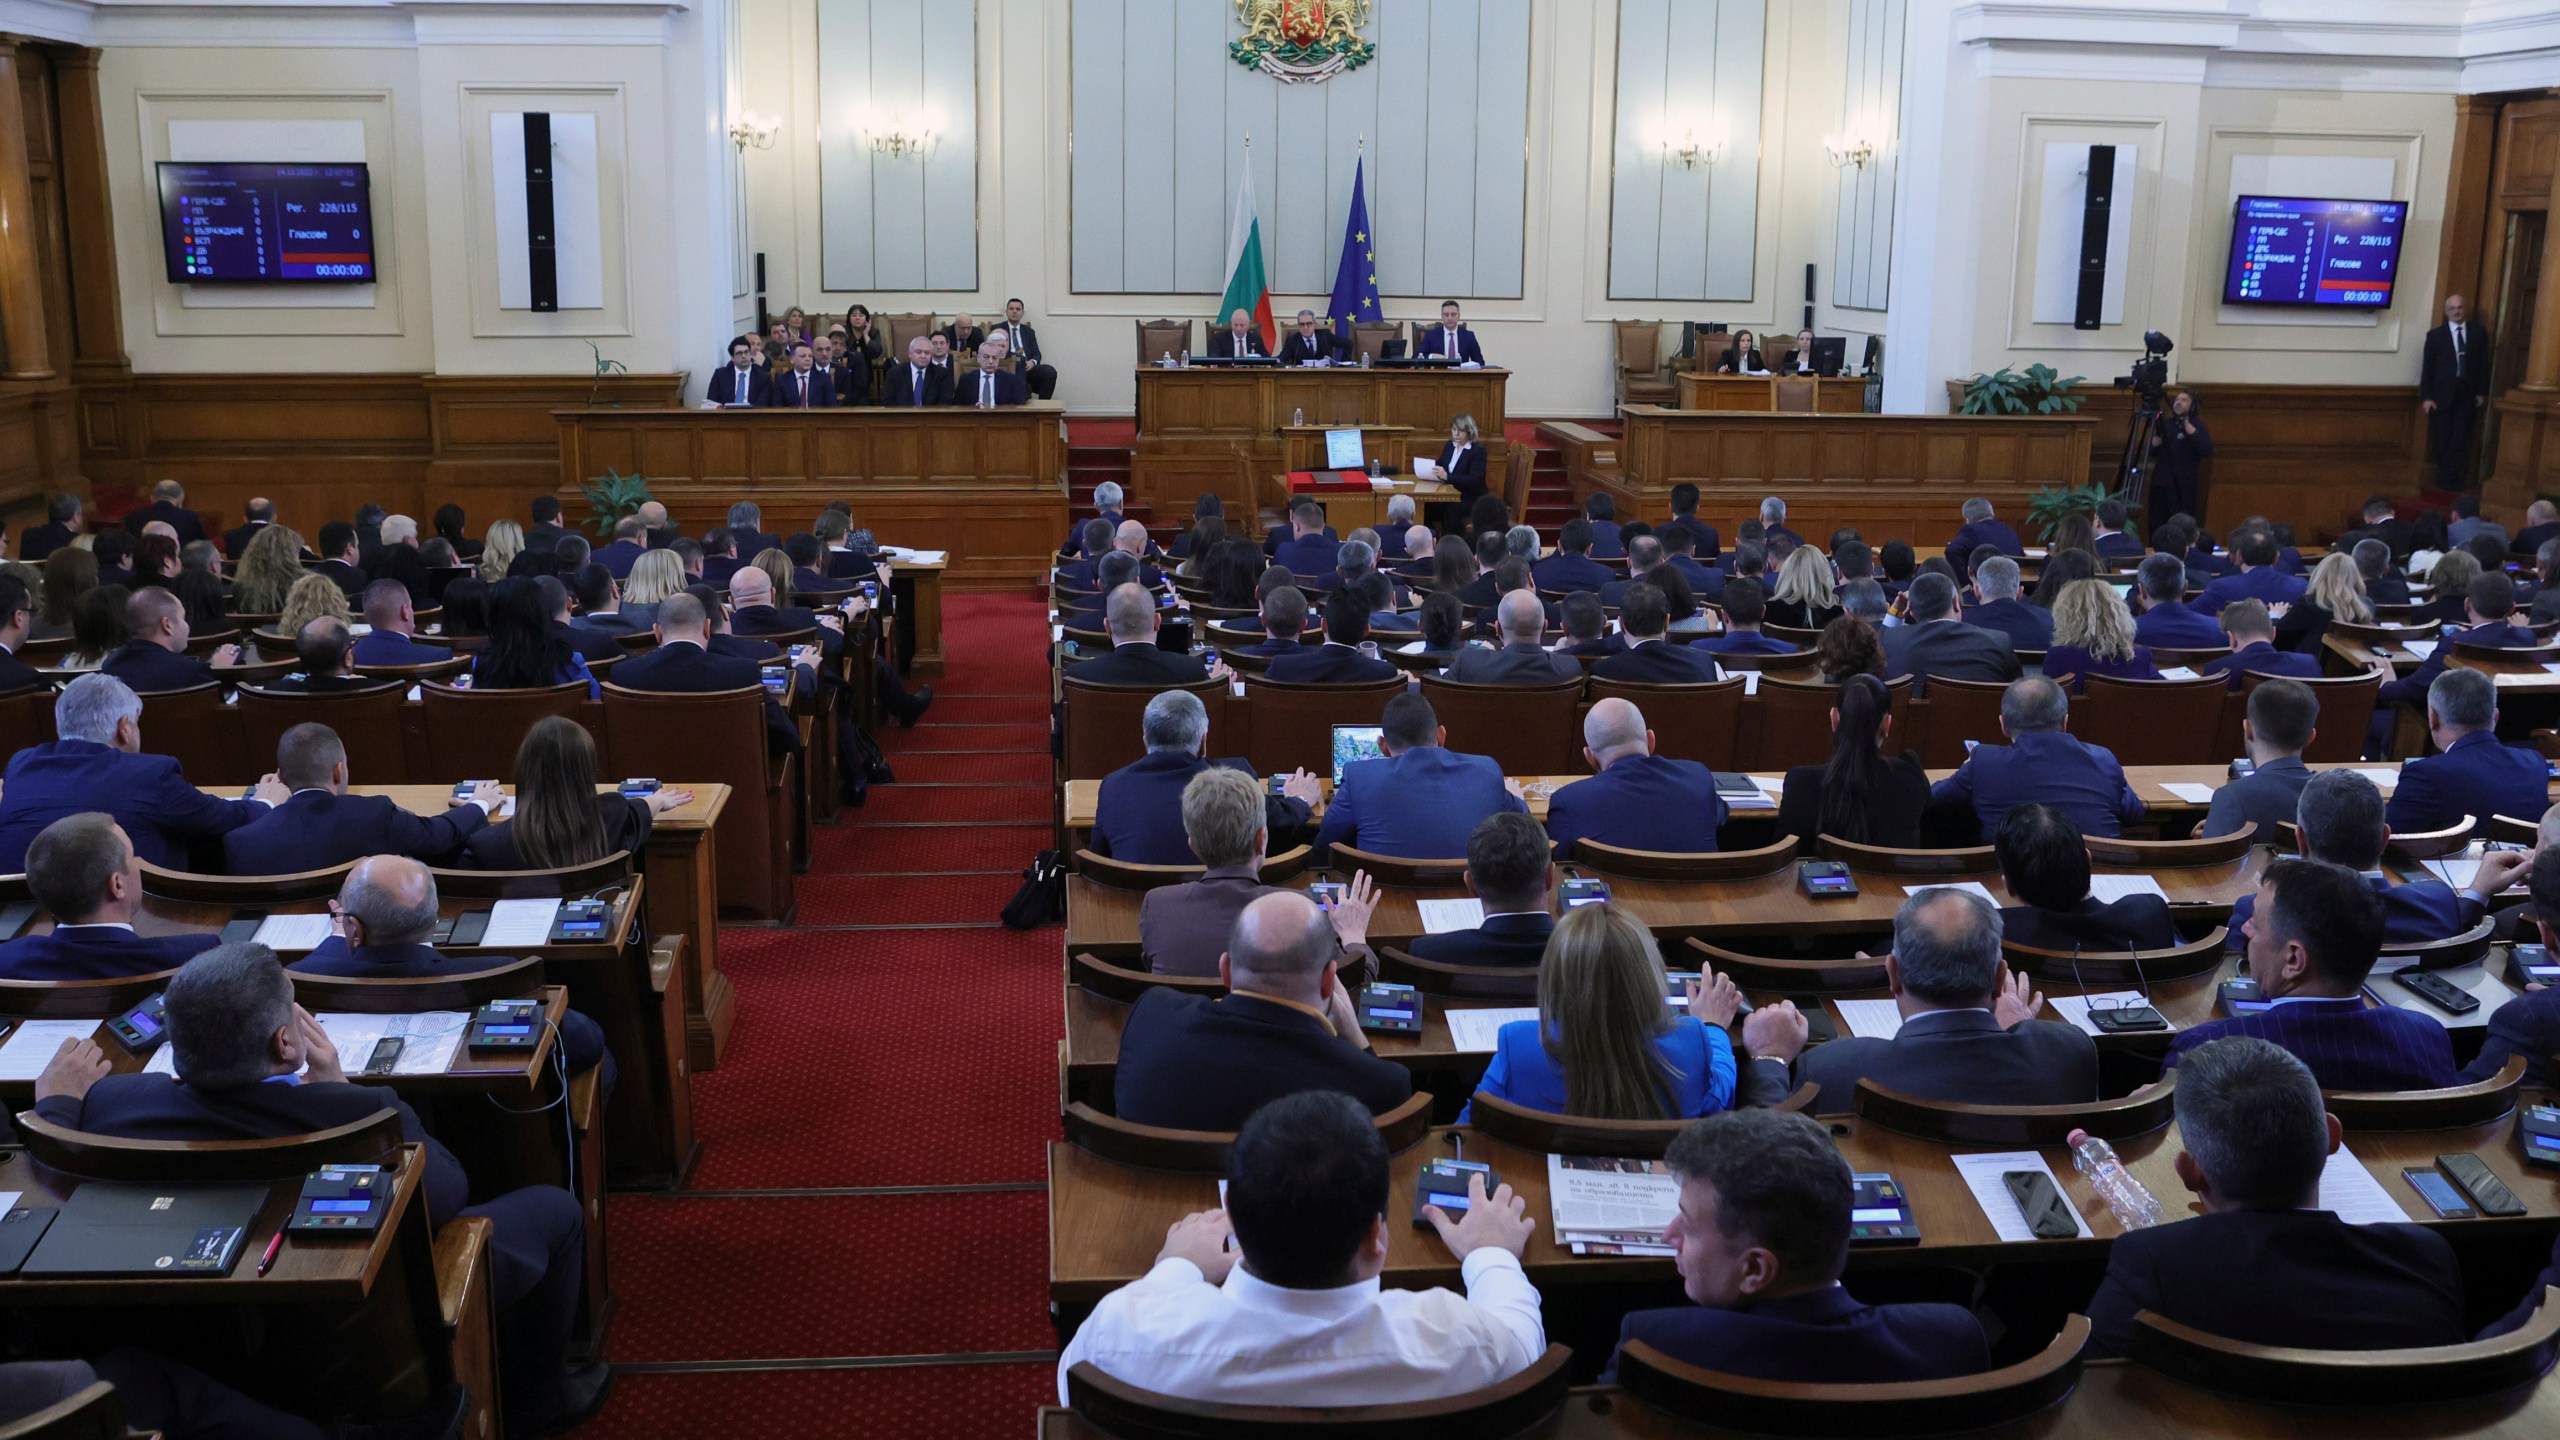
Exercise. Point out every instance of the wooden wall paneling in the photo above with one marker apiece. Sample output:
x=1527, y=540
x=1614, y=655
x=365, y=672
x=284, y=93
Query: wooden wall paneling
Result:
x=2459, y=259
x=97, y=314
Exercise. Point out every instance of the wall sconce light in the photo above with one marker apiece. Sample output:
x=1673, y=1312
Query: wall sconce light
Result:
x=1690, y=152
x=899, y=136
x=751, y=130
x=1848, y=150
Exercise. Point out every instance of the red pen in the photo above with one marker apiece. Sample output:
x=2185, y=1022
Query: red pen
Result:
x=267, y=1261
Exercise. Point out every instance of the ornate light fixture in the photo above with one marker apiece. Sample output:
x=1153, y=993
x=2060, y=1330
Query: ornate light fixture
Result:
x=1689, y=152
x=1848, y=150
x=899, y=136
x=751, y=130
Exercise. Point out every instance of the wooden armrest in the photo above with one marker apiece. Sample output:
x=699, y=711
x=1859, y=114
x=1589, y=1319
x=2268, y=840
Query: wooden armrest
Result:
x=462, y=1250
x=586, y=1098
x=664, y=956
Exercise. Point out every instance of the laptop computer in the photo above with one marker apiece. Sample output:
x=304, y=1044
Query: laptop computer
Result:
x=132, y=1230
x=1354, y=742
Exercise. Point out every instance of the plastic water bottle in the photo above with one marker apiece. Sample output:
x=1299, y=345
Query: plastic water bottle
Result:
x=1167, y=361
x=1186, y=357
x=1298, y=416
x=2126, y=1198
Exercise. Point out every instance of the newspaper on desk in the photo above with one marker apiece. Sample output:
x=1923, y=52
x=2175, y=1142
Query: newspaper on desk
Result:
x=429, y=1041
x=1604, y=1206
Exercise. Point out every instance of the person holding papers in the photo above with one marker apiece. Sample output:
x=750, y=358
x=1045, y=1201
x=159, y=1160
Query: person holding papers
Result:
x=1461, y=463
x=560, y=818
x=2268, y=1263
x=322, y=825
x=83, y=871
x=1604, y=1044
x=1511, y=872
x=2046, y=863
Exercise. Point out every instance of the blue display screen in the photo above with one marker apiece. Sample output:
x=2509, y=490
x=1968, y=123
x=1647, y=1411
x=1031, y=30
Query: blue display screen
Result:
x=2314, y=252
x=507, y=1030
x=340, y=1207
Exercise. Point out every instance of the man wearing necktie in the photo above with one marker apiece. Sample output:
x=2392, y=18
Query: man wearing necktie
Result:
x=1041, y=380
x=916, y=381
x=745, y=383
x=987, y=387
x=1450, y=339
x=804, y=388
x=2453, y=386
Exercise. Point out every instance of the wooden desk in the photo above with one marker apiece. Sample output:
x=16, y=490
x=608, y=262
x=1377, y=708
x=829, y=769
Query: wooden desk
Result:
x=918, y=587
x=1758, y=394
x=2525, y=676
x=1213, y=429
x=1348, y=510
x=989, y=486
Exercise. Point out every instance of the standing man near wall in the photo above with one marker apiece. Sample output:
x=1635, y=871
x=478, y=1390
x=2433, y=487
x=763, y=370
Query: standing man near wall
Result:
x=2453, y=384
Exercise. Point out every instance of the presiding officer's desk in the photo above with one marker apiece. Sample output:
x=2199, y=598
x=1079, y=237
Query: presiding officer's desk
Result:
x=1833, y=395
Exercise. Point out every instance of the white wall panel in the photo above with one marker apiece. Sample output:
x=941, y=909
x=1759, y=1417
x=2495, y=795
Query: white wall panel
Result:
x=897, y=222
x=1870, y=106
x=1686, y=68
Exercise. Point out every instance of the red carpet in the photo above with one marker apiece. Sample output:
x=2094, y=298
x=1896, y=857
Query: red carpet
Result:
x=896, y=1037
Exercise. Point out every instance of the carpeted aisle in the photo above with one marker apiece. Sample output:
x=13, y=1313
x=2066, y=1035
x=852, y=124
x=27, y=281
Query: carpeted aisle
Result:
x=863, y=1250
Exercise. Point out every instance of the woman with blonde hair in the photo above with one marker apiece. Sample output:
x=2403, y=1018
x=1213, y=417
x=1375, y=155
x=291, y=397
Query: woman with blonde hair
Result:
x=313, y=597
x=1604, y=1043
x=499, y=549
x=654, y=577
x=777, y=568
x=267, y=571
x=2336, y=592
x=2093, y=635
x=1804, y=597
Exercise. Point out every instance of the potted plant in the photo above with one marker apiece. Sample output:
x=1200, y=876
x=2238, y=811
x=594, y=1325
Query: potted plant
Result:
x=611, y=496
x=2047, y=507
x=2037, y=390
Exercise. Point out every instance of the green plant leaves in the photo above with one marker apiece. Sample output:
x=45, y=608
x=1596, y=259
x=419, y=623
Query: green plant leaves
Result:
x=611, y=496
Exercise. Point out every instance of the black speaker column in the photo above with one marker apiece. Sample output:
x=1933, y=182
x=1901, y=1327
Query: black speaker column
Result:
x=2095, y=211
x=540, y=234
x=1808, y=295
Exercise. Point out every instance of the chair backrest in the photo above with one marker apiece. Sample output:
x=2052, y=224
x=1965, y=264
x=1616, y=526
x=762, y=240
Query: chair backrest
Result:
x=1527, y=729
x=597, y=874
x=2149, y=722
x=1736, y=1403
x=1889, y=860
x=1791, y=977
x=1952, y=1122
x=897, y=330
x=2512, y=829
x=79, y=999
x=1155, y=1147
x=2477, y=1103
x=1639, y=347
x=2110, y=967
x=244, y=892
x=2468, y=948
x=1397, y=871
x=2383, y=634
x=1685, y=869
x=1796, y=635
x=2174, y=854
x=26, y=718
x=93, y=1414
x=2453, y=839
x=1689, y=722
x=210, y=1162
x=1370, y=340
x=2195, y=656
x=1293, y=724
x=1959, y=710
x=403, y=995
x=2329, y=1378
x=407, y=675
x=2526, y=655
x=1465, y=982
x=718, y=736
x=1159, y=338
x=188, y=725
x=1543, y=1132
x=1103, y=725
x=1795, y=714
x=1118, y=982
x=1128, y=875
x=1510, y=1407
x=474, y=734
x=1796, y=395
x=368, y=722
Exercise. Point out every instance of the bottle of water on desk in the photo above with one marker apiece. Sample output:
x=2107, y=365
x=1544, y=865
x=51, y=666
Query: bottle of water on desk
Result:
x=1186, y=357
x=1373, y=467
x=1167, y=361
x=1298, y=416
x=2126, y=1198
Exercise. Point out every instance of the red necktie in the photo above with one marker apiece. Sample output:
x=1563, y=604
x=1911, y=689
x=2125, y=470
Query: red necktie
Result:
x=804, y=392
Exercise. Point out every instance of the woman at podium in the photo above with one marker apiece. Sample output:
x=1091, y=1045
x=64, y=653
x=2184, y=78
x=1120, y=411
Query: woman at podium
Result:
x=1462, y=462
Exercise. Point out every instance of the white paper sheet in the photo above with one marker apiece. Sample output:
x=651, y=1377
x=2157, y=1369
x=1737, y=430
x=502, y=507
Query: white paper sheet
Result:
x=1982, y=1176
x=2075, y=1008
x=1973, y=887
x=2552, y=665
x=2192, y=794
x=2383, y=778
x=431, y=1039
x=2117, y=887
x=1870, y=1019
x=2504, y=680
x=1750, y=682
x=520, y=922
x=1474, y=1030
x=1440, y=917
x=32, y=1046
x=294, y=932
x=2180, y=672
x=163, y=1061
x=928, y=557
x=2420, y=648
x=9, y=1200
x=2349, y=1190
x=2454, y=870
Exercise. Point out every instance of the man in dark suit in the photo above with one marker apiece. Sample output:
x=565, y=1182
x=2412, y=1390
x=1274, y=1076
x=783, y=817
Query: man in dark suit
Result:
x=1635, y=799
x=630, y=542
x=2490, y=606
x=1981, y=529
x=1571, y=566
x=1242, y=339
x=1586, y=628
x=987, y=385
x=1183, y=929
x=2313, y=936
x=2383, y=584
x=1338, y=660
x=1607, y=543
x=1310, y=549
x=1305, y=344
x=2045, y=861
x=97, y=765
x=155, y=660
x=600, y=616
x=2253, y=647
x=2453, y=386
x=62, y=526
x=682, y=663
x=234, y=1028
x=1643, y=554
x=83, y=871
x=2476, y=774
x=746, y=530
x=1706, y=543
x=168, y=506
x=542, y=537
x=744, y=383
x=392, y=619
x=1936, y=643
x=260, y=513
x=2340, y=815
x=2160, y=588
x=1995, y=586
x=800, y=387
x=1522, y=660
x=1650, y=658
x=2265, y=1265
x=2278, y=728
x=1511, y=872
x=1449, y=340
x=2541, y=527
x=2382, y=521
x=16, y=617
x=2112, y=541
x=1023, y=343
x=720, y=559
x=337, y=550
x=849, y=381
x=2041, y=763
x=1761, y=1236
x=2260, y=577
x=1137, y=814
x=1286, y=1024
x=1283, y=621
x=1420, y=801
x=324, y=646
x=589, y=644
x=321, y=825
x=2528, y=1024
x=916, y=381
x=1745, y=604
x=1129, y=614
x=1969, y=1032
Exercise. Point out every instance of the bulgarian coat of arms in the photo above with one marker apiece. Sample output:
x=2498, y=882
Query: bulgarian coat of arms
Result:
x=1298, y=41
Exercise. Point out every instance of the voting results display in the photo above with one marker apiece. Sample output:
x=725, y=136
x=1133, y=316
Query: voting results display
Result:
x=2314, y=252
x=278, y=223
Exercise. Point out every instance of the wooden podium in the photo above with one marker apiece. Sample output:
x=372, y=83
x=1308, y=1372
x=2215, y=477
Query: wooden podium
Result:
x=1219, y=430
x=1758, y=394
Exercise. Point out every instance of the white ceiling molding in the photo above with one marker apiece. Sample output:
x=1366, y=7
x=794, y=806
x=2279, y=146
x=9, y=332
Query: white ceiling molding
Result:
x=2332, y=45
x=340, y=24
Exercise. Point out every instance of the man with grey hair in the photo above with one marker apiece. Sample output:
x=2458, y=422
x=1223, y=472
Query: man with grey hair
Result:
x=82, y=870
x=2475, y=774
x=1998, y=608
x=921, y=382
x=1936, y=643
x=98, y=764
x=746, y=527
x=1968, y=1031
x=1521, y=540
x=2041, y=764
x=1523, y=659
x=2266, y=1264
x=1130, y=616
x=1287, y=1023
x=2341, y=817
x=1420, y=546
x=62, y=525
x=233, y=1027
x=1866, y=600
x=987, y=384
x=1635, y=799
x=1773, y=524
x=1981, y=529
x=320, y=825
x=1306, y=344
x=1393, y=534
x=1182, y=929
x=1138, y=814
x=169, y=507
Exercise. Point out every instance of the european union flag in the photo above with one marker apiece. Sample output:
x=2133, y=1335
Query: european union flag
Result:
x=1355, y=280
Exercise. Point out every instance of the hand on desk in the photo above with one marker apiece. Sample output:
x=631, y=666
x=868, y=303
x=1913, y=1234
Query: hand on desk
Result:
x=1518, y=791
x=226, y=655
x=1303, y=786
x=487, y=794
x=662, y=800
x=1350, y=914
x=1206, y=1240
x=2017, y=999
x=1500, y=1222
x=2498, y=870
x=75, y=1067
x=1776, y=1032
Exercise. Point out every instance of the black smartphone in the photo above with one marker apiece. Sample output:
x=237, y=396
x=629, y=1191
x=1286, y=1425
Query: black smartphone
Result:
x=2439, y=1193
x=1826, y=880
x=386, y=1053
x=2482, y=1184
x=2438, y=991
x=242, y=927
x=1444, y=1183
x=1277, y=783
x=1387, y=1008
x=468, y=927
x=2041, y=1205
x=2126, y=1019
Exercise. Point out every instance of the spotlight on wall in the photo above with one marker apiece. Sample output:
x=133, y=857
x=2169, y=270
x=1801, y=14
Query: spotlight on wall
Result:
x=1848, y=150
x=899, y=136
x=753, y=131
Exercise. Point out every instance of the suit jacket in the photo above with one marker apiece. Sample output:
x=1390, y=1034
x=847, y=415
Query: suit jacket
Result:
x=580, y=1037
x=314, y=829
x=1514, y=665
x=1140, y=663
x=1138, y=815
x=1224, y=344
x=1297, y=349
x=544, y=537
x=42, y=540
x=149, y=670
x=1893, y=811
x=620, y=556
x=1502, y=940
x=1978, y=533
x=1327, y=664
x=852, y=380
x=2117, y=545
x=684, y=668
x=1465, y=470
x=1641, y=802
x=791, y=391
x=1950, y=650
x=299, y=683
x=346, y=577
x=1606, y=541
x=2418, y=913
x=2347, y=1044
x=1435, y=341
x=2172, y=625
x=158, y=809
x=1745, y=642
x=1309, y=555
x=186, y=522
x=1009, y=387
x=2476, y=775
x=1193, y=1063
x=2436, y=378
x=2269, y=796
x=390, y=647
x=2463, y=532
x=1418, y=804
x=16, y=674
x=1566, y=570
x=2261, y=658
x=2028, y=627
x=2045, y=767
x=1183, y=929
x=2136, y=922
x=1820, y=1336
x=2283, y=1277
x=1025, y=341
x=898, y=387
x=2264, y=583
x=237, y=539
x=1659, y=662
x=97, y=952
x=627, y=820
x=2411, y=689
x=1959, y=1055
x=723, y=389
x=1707, y=542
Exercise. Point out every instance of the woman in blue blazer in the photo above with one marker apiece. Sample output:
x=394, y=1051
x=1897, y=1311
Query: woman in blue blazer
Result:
x=1604, y=1043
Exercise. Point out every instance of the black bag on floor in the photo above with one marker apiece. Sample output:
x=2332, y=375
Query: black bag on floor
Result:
x=1042, y=900
x=862, y=762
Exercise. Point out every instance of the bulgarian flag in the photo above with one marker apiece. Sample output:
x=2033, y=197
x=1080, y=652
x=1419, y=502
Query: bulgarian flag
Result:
x=1248, y=283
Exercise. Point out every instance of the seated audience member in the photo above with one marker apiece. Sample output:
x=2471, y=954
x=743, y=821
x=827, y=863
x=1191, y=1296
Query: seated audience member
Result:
x=338, y=553
x=1760, y=1240
x=1571, y=567
x=1418, y=801
x=657, y=575
x=1441, y=629
x=1284, y=621
x=1998, y=608
x=1287, y=1023
x=682, y=663
x=2041, y=763
x=1745, y=602
x=2259, y=579
x=1644, y=554
x=1980, y=528
x=1969, y=1032
x=2476, y=774
x=2313, y=936
x=600, y=619
x=168, y=507
x=1635, y=799
x=1602, y=512
x=2340, y=815
x=1419, y=552
x=393, y=621
x=1867, y=793
x=1182, y=929
x=98, y=631
x=2093, y=635
x=561, y=820
x=1586, y=627
x=1512, y=875
x=178, y=1402
x=397, y=558
x=2265, y=1264
x=1303, y=1320
x=746, y=527
x=326, y=650
x=1935, y=643
x=720, y=559
x=1649, y=657
x=321, y=825
x=114, y=550
x=1522, y=660
x=1676, y=554
x=2046, y=864
x=2160, y=587
x=2253, y=647
x=1138, y=815
x=155, y=659
x=2383, y=585
x=83, y=871
x=1479, y=592
x=1603, y=1043
x=1398, y=528
x=234, y=1028
x=1311, y=548
x=590, y=645
x=630, y=542
x=15, y=618
x=2278, y=728
x=2489, y=610
x=1111, y=570
x=1339, y=660
x=1703, y=539
x=1805, y=595
x=1130, y=614
x=2528, y=1024
x=62, y=524
x=527, y=650
x=1106, y=507
x=311, y=598
x=2109, y=534
x=98, y=764
x=2335, y=593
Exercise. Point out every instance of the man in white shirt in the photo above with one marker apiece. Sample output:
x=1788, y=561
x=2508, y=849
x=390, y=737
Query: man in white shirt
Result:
x=1302, y=1320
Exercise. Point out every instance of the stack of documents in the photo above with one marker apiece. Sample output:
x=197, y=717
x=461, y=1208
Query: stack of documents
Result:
x=1602, y=1206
